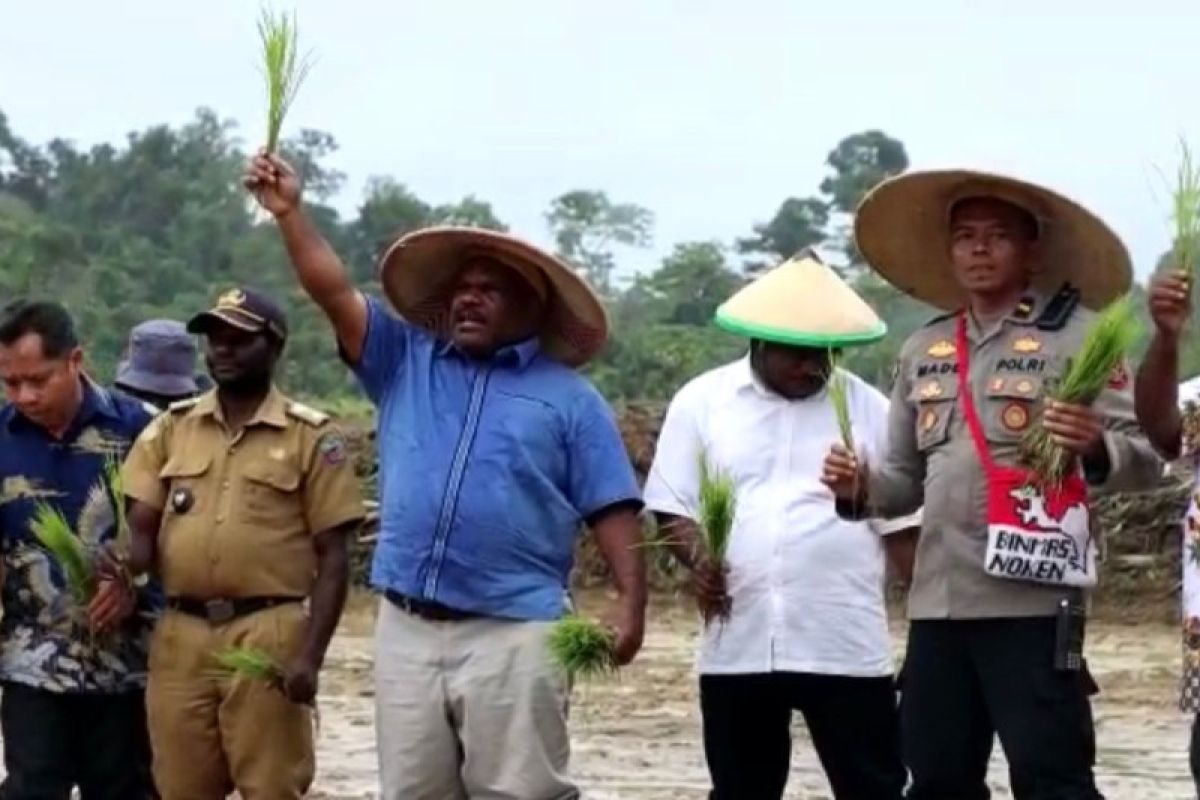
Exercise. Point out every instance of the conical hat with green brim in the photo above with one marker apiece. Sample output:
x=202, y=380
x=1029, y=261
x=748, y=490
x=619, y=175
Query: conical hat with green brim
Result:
x=804, y=303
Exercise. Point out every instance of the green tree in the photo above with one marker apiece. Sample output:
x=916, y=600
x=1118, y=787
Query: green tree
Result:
x=587, y=225
x=859, y=163
x=798, y=224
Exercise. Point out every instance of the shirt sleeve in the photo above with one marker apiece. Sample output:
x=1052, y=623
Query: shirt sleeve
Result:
x=140, y=472
x=384, y=347
x=897, y=477
x=332, y=496
x=1134, y=465
x=673, y=484
x=600, y=473
x=872, y=419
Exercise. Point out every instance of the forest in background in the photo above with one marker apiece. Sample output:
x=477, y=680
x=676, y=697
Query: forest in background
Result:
x=154, y=226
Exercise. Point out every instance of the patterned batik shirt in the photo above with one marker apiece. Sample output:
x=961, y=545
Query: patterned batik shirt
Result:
x=45, y=640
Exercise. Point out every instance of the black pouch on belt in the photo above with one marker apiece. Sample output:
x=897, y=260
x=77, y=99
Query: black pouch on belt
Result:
x=1070, y=625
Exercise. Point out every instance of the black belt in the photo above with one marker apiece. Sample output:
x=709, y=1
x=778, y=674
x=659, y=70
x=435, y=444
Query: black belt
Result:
x=434, y=612
x=223, y=609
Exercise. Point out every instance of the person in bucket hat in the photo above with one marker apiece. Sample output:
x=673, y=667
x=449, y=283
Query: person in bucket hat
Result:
x=798, y=610
x=493, y=452
x=1003, y=564
x=159, y=367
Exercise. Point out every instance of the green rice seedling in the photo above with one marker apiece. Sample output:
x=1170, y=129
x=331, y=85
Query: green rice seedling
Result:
x=717, y=507
x=249, y=662
x=283, y=67
x=1185, y=212
x=53, y=532
x=582, y=648
x=839, y=398
x=1088, y=372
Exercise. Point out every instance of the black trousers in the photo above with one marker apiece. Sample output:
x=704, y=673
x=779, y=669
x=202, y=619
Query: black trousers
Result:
x=852, y=721
x=965, y=681
x=54, y=742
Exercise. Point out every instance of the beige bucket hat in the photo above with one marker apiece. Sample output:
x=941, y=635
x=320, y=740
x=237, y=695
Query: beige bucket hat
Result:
x=902, y=229
x=418, y=271
x=801, y=302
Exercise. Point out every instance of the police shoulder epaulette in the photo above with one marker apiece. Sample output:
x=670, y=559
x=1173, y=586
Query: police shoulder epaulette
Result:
x=939, y=318
x=1056, y=313
x=183, y=405
x=306, y=414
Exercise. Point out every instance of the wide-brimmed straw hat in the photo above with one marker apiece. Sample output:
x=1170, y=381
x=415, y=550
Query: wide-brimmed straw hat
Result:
x=902, y=228
x=801, y=302
x=418, y=273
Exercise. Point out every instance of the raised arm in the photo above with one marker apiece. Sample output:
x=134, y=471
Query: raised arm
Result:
x=277, y=188
x=1156, y=394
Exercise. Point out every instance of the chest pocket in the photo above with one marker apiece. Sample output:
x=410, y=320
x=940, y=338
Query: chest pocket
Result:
x=935, y=398
x=183, y=474
x=270, y=492
x=1013, y=403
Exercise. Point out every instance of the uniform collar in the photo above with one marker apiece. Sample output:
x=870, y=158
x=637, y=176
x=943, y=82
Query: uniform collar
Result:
x=1026, y=312
x=745, y=379
x=272, y=411
x=519, y=355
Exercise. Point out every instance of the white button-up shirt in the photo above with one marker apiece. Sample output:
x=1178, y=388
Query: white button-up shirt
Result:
x=806, y=586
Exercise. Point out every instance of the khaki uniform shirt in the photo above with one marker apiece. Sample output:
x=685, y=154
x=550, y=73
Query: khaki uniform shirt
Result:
x=239, y=511
x=932, y=458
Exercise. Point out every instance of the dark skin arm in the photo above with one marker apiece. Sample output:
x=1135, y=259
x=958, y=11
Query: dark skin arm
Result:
x=682, y=539
x=326, y=602
x=115, y=598
x=618, y=532
x=1156, y=393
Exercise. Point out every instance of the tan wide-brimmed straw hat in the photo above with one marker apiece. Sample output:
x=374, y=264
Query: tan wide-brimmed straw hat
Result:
x=801, y=302
x=902, y=229
x=419, y=269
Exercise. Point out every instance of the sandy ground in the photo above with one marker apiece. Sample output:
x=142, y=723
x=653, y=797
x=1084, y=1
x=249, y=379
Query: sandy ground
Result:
x=638, y=738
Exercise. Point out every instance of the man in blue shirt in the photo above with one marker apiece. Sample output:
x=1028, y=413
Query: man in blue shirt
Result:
x=72, y=712
x=493, y=451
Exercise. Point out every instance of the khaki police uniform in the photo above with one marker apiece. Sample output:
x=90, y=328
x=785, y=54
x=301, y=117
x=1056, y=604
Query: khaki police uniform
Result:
x=932, y=459
x=980, y=656
x=235, y=556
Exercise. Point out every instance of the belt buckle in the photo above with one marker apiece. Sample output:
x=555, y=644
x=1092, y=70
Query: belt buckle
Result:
x=218, y=611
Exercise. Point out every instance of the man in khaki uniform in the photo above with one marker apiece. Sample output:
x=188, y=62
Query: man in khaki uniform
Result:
x=996, y=636
x=242, y=502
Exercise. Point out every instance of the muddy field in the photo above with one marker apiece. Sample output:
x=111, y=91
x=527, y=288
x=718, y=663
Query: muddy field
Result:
x=638, y=738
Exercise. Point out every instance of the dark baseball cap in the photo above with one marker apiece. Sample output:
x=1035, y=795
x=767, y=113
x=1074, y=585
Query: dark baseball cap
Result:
x=245, y=309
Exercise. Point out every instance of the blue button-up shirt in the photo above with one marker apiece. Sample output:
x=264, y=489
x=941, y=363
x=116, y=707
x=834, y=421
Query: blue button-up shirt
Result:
x=44, y=637
x=487, y=470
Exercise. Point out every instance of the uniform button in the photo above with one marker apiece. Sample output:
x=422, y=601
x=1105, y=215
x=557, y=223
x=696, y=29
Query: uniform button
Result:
x=220, y=519
x=225, y=485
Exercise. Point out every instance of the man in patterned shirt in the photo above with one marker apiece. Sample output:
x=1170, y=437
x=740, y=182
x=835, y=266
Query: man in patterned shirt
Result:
x=72, y=713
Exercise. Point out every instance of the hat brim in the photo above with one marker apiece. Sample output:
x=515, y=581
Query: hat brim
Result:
x=902, y=230
x=155, y=383
x=417, y=273
x=797, y=338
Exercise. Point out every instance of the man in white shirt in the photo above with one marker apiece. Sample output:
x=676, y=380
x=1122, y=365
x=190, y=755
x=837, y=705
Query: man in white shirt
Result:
x=805, y=627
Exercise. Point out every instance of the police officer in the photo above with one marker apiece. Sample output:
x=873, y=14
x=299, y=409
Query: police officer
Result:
x=242, y=500
x=995, y=639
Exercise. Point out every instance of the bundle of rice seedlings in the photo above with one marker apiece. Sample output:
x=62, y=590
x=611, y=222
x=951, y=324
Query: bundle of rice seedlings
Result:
x=717, y=508
x=1088, y=372
x=52, y=532
x=284, y=68
x=1185, y=212
x=838, y=396
x=249, y=662
x=582, y=648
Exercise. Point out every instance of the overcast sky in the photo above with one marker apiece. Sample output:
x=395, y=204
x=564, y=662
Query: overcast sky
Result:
x=708, y=112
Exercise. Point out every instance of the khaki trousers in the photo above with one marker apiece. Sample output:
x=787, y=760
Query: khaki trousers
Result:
x=469, y=709
x=210, y=735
